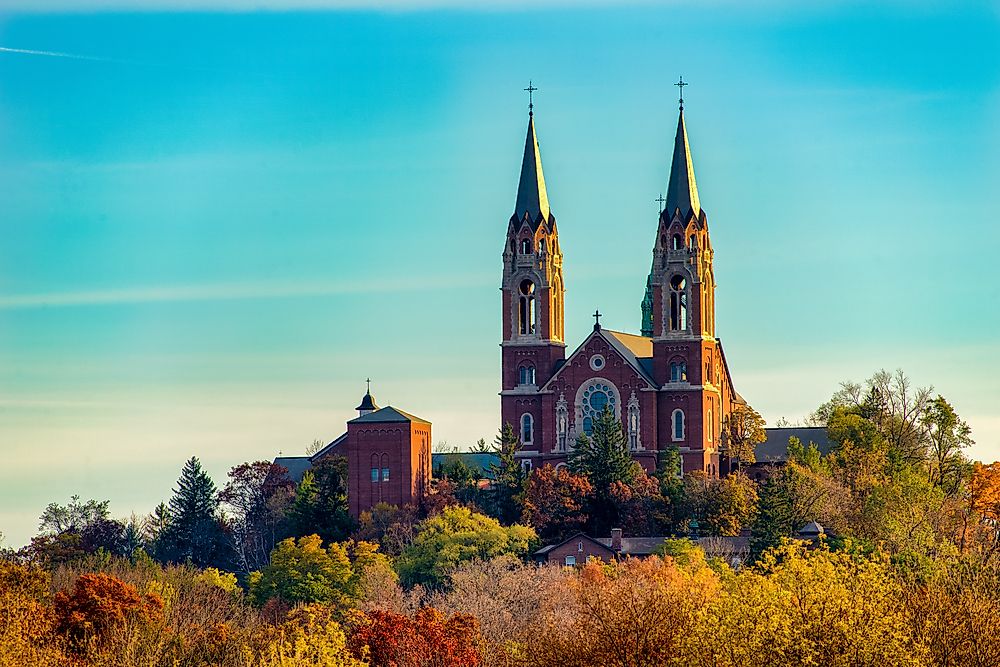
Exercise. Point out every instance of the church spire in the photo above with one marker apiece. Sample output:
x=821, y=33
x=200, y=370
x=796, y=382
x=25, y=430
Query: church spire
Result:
x=531, y=196
x=682, y=190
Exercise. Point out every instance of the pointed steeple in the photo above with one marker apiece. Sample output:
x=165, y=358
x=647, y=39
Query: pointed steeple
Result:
x=682, y=191
x=531, y=196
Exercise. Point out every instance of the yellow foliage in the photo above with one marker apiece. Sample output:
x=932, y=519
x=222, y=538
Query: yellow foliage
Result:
x=310, y=636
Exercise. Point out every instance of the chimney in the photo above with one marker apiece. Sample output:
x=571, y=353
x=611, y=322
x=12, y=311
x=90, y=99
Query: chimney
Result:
x=616, y=540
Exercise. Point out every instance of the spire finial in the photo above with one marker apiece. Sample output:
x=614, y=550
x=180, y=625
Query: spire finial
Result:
x=531, y=102
x=597, y=320
x=662, y=200
x=680, y=86
x=369, y=383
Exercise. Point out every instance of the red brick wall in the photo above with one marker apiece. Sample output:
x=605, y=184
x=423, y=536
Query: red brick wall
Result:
x=402, y=447
x=572, y=548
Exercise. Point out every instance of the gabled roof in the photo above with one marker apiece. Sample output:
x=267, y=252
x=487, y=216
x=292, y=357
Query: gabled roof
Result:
x=578, y=536
x=682, y=190
x=531, y=196
x=481, y=462
x=386, y=415
x=626, y=345
x=330, y=447
x=295, y=465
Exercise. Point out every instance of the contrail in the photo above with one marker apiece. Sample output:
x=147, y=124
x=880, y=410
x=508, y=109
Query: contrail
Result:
x=54, y=54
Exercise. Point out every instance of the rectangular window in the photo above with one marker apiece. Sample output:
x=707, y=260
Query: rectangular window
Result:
x=570, y=560
x=385, y=474
x=374, y=474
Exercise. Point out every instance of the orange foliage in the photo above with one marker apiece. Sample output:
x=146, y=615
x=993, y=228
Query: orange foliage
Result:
x=429, y=639
x=100, y=603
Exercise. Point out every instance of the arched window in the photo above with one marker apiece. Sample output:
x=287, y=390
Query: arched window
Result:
x=709, y=376
x=513, y=245
x=541, y=246
x=693, y=241
x=526, y=375
x=526, y=308
x=663, y=240
x=678, y=242
x=678, y=371
x=525, y=246
x=677, y=425
x=678, y=304
x=711, y=426
x=527, y=428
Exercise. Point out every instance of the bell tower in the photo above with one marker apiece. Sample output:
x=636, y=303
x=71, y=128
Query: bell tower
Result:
x=678, y=313
x=532, y=305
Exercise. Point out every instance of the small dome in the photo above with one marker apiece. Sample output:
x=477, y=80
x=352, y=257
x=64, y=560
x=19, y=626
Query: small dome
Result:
x=368, y=402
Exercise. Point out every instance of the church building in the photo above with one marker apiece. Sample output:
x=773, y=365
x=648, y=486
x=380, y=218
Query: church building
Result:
x=669, y=384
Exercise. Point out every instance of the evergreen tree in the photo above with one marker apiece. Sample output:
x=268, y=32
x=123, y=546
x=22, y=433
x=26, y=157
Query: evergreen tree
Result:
x=773, y=518
x=604, y=459
x=320, y=505
x=193, y=532
x=508, y=477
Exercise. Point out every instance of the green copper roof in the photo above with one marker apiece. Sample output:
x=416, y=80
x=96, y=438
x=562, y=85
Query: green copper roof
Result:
x=682, y=191
x=531, y=196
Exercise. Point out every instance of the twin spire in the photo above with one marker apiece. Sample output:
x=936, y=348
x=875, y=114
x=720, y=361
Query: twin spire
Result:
x=682, y=189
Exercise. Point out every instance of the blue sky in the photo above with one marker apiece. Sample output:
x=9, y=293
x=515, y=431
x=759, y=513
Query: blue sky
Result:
x=219, y=223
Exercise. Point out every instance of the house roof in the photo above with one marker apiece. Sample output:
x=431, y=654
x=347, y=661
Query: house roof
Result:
x=578, y=536
x=775, y=448
x=386, y=415
x=330, y=447
x=296, y=466
x=635, y=546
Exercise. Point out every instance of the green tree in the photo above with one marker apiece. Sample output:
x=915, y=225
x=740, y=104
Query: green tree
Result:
x=788, y=500
x=742, y=432
x=302, y=571
x=721, y=506
x=508, y=477
x=604, y=459
x=948, y=436
x=320, y=504
x=193, y=532
x=454, y=536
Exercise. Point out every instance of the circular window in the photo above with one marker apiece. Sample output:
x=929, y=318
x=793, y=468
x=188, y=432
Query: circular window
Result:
x=527, y=287
x=595, y=399
x=597, y=362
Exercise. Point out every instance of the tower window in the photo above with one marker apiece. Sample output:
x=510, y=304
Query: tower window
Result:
x=525, y=246
x=677, y=426
x=527, y=428
x=526, y=307
x=385, y=474
x=374, y=474
x=678, y=304
x=677, y=242
x=678, y=371
x=711, y=426
x=541, y=245
x=694, y=241
x=526, y=375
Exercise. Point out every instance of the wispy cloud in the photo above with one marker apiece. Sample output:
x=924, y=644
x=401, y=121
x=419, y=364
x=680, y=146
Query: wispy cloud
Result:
x=228, y=292
x=52, y=54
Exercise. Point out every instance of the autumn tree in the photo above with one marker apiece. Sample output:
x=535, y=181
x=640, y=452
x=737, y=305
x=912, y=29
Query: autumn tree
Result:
x=98, y=604
x=640, y=508
x=720, y=506
x=392, y=527
x=554, y=502
x=604, y=459
x=387, y=639
x=302, y=571
x=742, y=431
x=454, y=536
x=257, y=496
x=788, y=500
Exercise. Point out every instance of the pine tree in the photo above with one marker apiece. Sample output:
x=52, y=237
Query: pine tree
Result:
x=604, y=459
x=193, y=533
x=774, y=516
x=509, y=477
x=320, y=505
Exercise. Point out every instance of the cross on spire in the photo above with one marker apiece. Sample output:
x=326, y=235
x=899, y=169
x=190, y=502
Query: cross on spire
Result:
x=531, y=102
x=680, y=86
x=662, y=200
x=597, y=319
x=369, y=383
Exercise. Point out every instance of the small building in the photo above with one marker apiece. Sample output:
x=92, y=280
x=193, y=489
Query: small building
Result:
x=388, y=455
x=773, y=452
